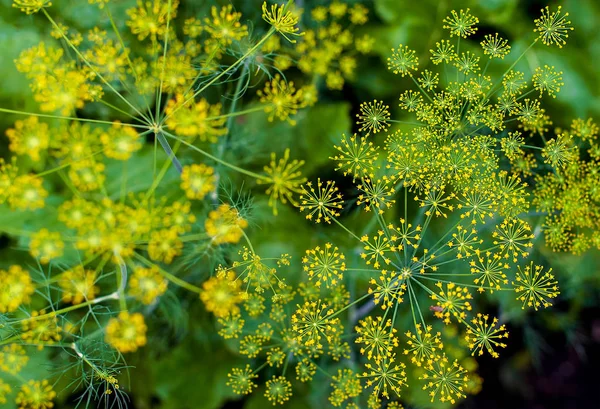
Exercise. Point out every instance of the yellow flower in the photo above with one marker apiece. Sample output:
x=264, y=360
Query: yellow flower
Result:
x=454, y=301
x=27, y=193
x=284, y=179
x=147, y=284
x=461, y=24
x=378, y=337
x=241, y=381
x=29, y=137
x=164, y=245
x=224, y=26
x=222, y=294
x=36, y=395
x=120, y=141
x=359, y=14
x=534, y=287
x=312, y=322
x=15, y=288
x=385, y=375
x=31, y=6
x=195, y=119
x=78, y=285
x=13, y=358
x=322, y=203
x=149, y=18
x=198, y=180
x=41, y=328
x=282, y=19
x=483, y=335
x=278, y=390
x=281, y=99
x=127, y=332
x=553, y=28
x=445, y=380
x=373, y=117
x=87, y=175
x=4, y=390
x=46, y=245
x=225, y=225
x=325, y=264
x=423, y=346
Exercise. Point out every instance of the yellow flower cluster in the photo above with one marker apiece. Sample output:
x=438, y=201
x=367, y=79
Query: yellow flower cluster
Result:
x=16, y=288
x=127, y=332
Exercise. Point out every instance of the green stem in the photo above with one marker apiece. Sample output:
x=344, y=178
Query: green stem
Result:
x=70, y=118
x=222, y=162
x=112, y=296
x=231, y=67
x=174, y=279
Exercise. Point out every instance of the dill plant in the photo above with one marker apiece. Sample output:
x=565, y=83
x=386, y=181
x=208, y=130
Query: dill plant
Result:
x=134, y=126
x=400, y=311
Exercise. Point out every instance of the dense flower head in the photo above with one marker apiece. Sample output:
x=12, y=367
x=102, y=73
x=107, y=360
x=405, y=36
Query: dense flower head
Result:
x=150, y=18
x=29, y=137
x=222, y=294
x=31, y=6
x=278, y=390
x=46, y=245
x=41, y=329
x=126, y=332
x=312, y=323
x=4, y=390
x=377, y=338
x=16, y=288
x=224, y=25
x=120, y=141
x=345, y=386
x=356, y=156
x=225, y=225
x=423, y=346
x=13, y=358
x=36, y=395
x=281, y=99
x=446, y=380
x=146, y=284
x=282, y=19
x=198, y=180
x=494, y=46
x=78, y=284
x=403, y=61
x=241, y=380
x=385, y=376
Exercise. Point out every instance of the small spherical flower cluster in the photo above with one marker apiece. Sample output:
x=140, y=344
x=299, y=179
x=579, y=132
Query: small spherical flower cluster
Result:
x=127, y=332
x=225, y=225
x=147, y=284
x=197, y=181
x=36, y=395
x=16, y=288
